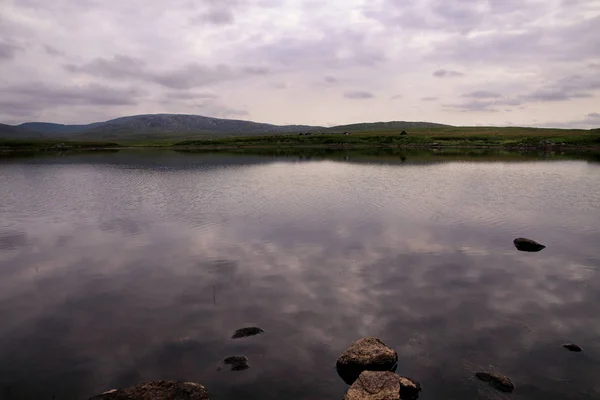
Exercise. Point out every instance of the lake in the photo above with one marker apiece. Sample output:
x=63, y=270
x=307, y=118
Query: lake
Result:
x=118, y=268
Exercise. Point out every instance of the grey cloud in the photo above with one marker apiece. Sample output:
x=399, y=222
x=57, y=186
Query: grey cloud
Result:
x=590, y=121
x=443, y=73
x=279, y=85
x=216, y=16
x=193, y=75
x=572, y=87
x=256, y=70
x=460, y=16
x=554, y=95
x=325, y=82
x=293, y=51
x=190, y=95
x=28, y=99
x=185, y=77
x=396, y=97
x=566, y=43
x=74, y=95
x=222, y=12
x=53, y=51
x=482, y=94
x=220, y=111
x=8, y=51
x=458, y=13
x=120, y=66
x=568, y=88
x=358, y=95
x=485, y=105
x=429, y=98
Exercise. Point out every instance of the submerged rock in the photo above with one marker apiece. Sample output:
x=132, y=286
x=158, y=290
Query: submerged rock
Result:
x=572, y=347
x=157, y=390
x=383, y=385
x=368, y=354
x=245, y=332
x=497, y=381
x=529, y=245
x=238, y=363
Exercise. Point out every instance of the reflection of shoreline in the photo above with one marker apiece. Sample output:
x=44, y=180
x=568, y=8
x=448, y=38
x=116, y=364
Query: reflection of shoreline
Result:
x=403, y=155
x=261, y=155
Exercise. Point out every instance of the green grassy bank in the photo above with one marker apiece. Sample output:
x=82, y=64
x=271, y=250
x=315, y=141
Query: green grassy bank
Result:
x=444, y=137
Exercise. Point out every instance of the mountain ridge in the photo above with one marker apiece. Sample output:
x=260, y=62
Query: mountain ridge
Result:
x=157, y=126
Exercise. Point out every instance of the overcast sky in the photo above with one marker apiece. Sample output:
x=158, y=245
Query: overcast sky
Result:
x=464, y=62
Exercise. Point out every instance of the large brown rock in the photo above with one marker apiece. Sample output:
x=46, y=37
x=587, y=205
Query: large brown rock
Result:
x=368, y=354
x=380, y=385
x=375, y=385
x=157, y=390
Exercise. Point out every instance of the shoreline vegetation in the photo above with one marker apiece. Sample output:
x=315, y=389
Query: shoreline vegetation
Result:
x=426, y=138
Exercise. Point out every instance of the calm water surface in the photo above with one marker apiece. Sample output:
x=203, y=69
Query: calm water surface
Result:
x=127, y=267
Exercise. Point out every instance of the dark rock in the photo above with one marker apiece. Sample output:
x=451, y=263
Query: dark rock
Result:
x=572, y=347
x=375, y=385
x=499, y=382
x=157, y=390
x=238, y=363
x=529, y=245
x=404, y=133
x=409, y=389
x=368, y=354
x=245, y=332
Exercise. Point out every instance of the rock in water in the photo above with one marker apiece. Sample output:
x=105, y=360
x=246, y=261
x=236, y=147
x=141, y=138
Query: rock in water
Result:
x=157, y=390
x=383, y=385
x=368, y=354
x=572, y=347
x=238, y=363
x=529, y=245
x=375, y=385
x=245, y=332
x=500, y=382
x=409, y=389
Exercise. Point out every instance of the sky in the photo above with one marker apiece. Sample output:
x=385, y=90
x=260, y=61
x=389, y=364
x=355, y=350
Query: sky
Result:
x=460, y=62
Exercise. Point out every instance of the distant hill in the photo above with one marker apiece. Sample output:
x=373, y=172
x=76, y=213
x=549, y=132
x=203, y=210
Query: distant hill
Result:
x=386, y=126
x=178, y=124
x=11, y=131
x=182, y=126
x=150, y=126
x=58, y=129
